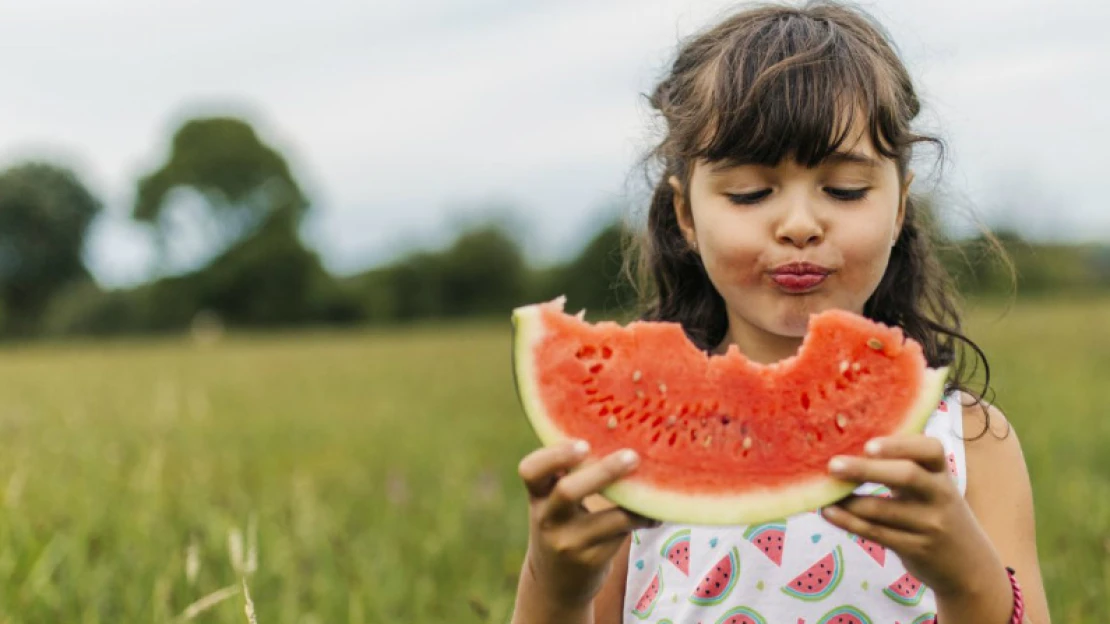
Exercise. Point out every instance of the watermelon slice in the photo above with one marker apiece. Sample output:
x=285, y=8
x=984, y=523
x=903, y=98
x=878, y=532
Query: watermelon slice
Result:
x=646, y=604
x=718, y=582
x=907, y=590
x=928, y=618
x=722, y=439
x=741, y=615
x=770, y=538
x=846, y=614
x=819, y=580
x=677, y=550
x=876, y=550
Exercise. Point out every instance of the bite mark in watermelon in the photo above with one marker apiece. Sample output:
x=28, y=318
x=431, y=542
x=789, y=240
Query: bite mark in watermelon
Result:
x=907, y=590
x=719, y=582
x=769, y=538
x=820, y=579
x=721, y=439
x=677, y=550
x=741, y=615
x=646, y=604
x=846, y=614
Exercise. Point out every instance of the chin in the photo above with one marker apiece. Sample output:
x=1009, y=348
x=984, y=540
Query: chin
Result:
x=791, y=325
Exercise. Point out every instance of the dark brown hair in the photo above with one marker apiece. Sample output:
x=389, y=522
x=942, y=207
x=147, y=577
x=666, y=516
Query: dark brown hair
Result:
x=772, y=82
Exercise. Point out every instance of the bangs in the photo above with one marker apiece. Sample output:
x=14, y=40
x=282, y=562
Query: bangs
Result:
x=800, y=96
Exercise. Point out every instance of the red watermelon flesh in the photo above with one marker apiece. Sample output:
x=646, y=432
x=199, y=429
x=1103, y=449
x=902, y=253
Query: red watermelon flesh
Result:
x=722, y=439
x=907, y=590
x=646, y=604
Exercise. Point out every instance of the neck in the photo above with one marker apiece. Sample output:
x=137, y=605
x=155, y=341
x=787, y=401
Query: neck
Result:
x=757, y=344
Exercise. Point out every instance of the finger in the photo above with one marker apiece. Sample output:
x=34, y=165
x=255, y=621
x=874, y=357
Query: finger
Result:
x=611, y=524
x=542, y=468
x=568, y=493
x=899, y=514
x=925, y=450
x=887, y=536
x=899, y=474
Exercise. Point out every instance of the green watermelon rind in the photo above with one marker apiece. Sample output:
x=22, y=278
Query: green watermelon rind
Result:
x=643, y=615
x=751, y=613
x=844, y=610
x=646, y=499
x=734, y=558
x=838, y=575
x=909, y=601
x=925, y=618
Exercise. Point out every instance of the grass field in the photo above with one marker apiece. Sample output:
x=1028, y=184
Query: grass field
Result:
x=370, y=477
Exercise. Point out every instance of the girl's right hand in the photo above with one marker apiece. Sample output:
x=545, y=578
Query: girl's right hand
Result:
x=570, y=547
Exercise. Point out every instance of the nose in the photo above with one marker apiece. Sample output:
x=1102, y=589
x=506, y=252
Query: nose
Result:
x=799, y=225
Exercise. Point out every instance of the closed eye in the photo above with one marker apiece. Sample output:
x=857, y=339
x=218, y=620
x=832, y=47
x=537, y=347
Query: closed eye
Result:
x=748, y=198
x=840, y=194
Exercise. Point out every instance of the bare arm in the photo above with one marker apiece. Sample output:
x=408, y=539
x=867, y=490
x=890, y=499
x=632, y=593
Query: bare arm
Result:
x=573, y=542
x=957, y=545
x=609, y=603
x=1000, y=495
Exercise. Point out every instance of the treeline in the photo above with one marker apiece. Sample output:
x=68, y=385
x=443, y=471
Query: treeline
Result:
x=259, y=273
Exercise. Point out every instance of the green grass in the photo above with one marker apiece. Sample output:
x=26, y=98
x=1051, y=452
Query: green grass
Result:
x=374, y=473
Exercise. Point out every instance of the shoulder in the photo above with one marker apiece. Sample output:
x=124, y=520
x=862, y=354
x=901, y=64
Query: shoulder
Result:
x=984, y=421
x=992, y=447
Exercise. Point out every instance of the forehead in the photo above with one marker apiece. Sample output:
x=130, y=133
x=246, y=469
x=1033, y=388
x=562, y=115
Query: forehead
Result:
x=842, y=136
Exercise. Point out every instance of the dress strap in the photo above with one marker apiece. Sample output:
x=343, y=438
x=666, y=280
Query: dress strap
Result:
x=947, y=425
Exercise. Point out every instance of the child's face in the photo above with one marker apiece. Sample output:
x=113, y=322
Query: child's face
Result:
x=749, y=223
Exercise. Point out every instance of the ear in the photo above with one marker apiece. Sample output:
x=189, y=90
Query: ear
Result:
x=683, y=214
x=903, y=197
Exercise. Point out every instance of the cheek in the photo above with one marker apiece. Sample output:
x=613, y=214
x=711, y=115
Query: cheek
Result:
x=730, y=253
x=867, y=253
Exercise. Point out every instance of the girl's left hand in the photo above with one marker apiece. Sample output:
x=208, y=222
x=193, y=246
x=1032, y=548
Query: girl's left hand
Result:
x=926, y=522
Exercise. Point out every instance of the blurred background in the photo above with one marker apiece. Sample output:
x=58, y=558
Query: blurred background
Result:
x=257, y=261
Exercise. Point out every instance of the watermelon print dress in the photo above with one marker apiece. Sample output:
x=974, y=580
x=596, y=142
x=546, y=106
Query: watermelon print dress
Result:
x=797, y=570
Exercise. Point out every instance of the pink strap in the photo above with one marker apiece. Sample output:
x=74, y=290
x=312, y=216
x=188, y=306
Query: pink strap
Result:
x=1019, y=599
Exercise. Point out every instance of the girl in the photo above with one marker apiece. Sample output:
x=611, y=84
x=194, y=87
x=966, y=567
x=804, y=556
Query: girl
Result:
x=784, y=193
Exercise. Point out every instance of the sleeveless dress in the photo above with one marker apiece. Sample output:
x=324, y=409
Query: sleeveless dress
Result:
x=798, y=570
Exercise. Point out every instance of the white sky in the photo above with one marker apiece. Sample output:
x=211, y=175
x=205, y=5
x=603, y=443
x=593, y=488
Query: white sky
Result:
x=400, y=116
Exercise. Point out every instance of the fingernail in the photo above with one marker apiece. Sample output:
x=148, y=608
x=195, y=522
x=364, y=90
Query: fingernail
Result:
x=837, y=464
x=581, y=447
x=628, y=457
x=872, y=447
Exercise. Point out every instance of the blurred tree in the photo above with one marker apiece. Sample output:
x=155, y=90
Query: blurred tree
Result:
x=257, y=270
x=483, y=272
x=45, y=211
x=243, y=183
x=594, y=278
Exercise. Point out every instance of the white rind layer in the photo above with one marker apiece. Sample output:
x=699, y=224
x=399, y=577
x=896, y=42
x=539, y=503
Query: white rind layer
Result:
x=650, y=500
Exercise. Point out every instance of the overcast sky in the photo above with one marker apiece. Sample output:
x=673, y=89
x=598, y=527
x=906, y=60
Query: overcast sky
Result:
x=398, y=116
